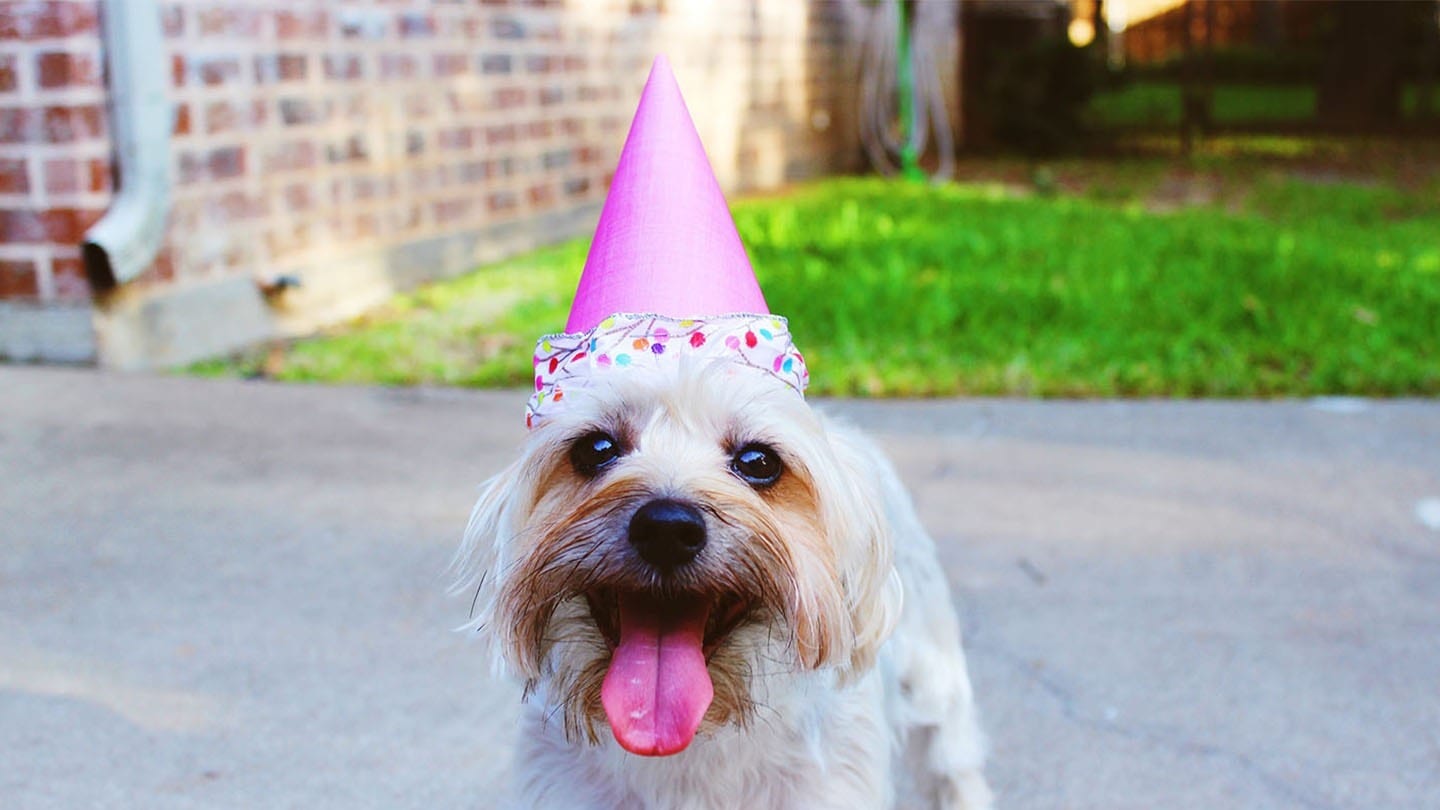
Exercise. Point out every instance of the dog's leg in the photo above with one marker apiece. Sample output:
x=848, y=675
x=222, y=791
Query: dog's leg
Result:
x=930, y=701
x=934, y=706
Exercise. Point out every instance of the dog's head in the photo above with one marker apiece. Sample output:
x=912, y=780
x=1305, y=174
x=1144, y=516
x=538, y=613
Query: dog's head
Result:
x=672, y=542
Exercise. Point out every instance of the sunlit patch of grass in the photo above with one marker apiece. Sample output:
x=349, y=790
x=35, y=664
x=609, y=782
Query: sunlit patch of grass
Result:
x=902, y=290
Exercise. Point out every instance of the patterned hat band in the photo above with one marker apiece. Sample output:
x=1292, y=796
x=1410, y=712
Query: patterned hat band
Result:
x=568, y=361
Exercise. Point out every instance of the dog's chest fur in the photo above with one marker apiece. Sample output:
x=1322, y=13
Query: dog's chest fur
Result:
x=811, y=748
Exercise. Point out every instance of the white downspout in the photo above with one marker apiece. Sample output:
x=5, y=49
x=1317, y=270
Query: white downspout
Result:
x=126, y=240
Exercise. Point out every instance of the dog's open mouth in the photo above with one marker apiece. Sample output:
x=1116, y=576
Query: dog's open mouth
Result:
x=658, y=688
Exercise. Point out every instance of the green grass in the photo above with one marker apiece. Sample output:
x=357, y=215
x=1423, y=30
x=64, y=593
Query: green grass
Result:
x=1297, y=288
x=1157, y=103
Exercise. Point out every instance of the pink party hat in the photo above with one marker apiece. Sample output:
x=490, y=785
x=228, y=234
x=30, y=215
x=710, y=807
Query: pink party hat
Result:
x=666, y=243
x=666, y=276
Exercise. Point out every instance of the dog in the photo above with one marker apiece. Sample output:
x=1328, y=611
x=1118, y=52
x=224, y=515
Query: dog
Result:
x=719, y=597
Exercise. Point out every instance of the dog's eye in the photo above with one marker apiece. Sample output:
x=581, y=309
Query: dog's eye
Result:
x=593, y=451
x=757, y=465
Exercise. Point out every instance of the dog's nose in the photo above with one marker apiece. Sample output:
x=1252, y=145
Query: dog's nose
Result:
x=667, y=533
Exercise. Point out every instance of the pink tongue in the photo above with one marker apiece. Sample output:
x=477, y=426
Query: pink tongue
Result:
x=657, y=689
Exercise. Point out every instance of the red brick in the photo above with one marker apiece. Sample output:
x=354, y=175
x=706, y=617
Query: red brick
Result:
x=301, y=24
x=18, y=278
x=62, y=176
x=177, y=70
x=236, y=22
x=299, y=197
x=192, y=168
x=182, y=119
x=344, y=66
x=163, y=268
x=101, y=177
x=496, y=63
x=501, y=201
x=13, y=177
x=172, y=19
x=26, y=19
x=397, y=66
x=414, y=24
x=541, y=196
x=216, y=70
x=220, y=116
x=226, y=162
x=8, y=78
x=450, y=210
x=62, y=225
x=68, y=276
x=67, y=70
x=455, y=138
x=577, y=186
x=66, y=124
x=451, y=64
x=68, y=225
x=51, y=124
x=292, y=156
x=369, y=187
x=507, y=97
x=299, y=111
x=19, y=125
x=500, y=134
x=281, y=67
x=233, y=206
x=473, y=171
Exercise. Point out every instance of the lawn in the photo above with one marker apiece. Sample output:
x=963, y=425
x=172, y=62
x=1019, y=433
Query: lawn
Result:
x=1279, y=284
x=1157, y=103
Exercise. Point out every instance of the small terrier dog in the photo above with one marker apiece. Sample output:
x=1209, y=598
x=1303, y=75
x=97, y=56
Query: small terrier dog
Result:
x=717, y=597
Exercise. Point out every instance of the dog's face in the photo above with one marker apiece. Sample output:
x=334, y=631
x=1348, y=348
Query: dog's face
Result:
x=671, y=543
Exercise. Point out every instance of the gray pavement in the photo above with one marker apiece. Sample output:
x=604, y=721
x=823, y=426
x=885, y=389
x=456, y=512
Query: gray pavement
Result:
x=222, y=594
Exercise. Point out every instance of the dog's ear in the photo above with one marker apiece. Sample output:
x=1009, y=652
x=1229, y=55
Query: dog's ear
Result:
x=484, y=555
x=855, y=504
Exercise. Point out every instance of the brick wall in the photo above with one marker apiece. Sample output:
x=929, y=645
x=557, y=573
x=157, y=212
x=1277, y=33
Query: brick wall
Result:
x=365, y=146
x=54, y=149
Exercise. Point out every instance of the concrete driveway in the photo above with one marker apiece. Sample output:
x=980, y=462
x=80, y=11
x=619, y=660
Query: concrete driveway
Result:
x=222, y=594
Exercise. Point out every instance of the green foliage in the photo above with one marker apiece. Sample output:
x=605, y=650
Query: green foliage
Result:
x=902, y=290
x=1159, y=103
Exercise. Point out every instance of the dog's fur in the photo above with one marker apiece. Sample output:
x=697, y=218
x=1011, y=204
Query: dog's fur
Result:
x=843, y=685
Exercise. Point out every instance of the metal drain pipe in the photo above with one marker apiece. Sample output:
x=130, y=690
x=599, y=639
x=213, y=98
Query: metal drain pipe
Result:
x=127, y=238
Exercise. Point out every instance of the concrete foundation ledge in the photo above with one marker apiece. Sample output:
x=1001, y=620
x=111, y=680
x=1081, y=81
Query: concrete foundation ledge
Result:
x=48, y=333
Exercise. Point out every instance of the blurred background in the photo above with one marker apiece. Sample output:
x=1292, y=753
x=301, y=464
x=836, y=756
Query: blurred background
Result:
x=1087, y=197
x=228, y=593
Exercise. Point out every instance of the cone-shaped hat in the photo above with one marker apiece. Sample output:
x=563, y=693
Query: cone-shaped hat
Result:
x=666, y=243
x=666, y=277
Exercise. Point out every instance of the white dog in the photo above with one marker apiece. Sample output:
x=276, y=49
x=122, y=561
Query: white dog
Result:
x=718, y=598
